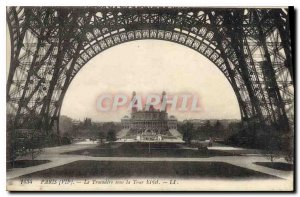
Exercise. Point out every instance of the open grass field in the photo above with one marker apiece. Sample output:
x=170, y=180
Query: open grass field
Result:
x=148, y=169
x=277, y=165
x=148, y=150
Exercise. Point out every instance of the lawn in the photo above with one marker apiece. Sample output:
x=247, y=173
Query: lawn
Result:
x=277, y=165
x=25, y=163
x=148, y=169
x=146, y=150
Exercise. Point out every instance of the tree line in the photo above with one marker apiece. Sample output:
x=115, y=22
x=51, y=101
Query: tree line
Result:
x=205, y=131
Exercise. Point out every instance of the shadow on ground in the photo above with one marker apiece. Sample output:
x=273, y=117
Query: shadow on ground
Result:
x=277, y=165
x=25, y=163
x=144, y=169
x=148, y=150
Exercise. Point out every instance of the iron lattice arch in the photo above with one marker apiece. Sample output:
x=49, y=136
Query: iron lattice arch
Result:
x=49, y=45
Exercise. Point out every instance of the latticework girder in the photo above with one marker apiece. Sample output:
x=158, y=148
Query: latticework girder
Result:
x=251, y=47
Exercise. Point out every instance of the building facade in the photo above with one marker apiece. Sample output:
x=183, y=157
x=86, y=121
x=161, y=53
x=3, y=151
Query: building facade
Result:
x=149, y=124
x=153, y=120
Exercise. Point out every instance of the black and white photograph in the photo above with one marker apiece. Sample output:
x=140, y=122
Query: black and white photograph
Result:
x=150, y=98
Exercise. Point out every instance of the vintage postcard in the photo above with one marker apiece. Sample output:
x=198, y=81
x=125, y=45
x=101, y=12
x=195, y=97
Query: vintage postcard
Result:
x=150, y=99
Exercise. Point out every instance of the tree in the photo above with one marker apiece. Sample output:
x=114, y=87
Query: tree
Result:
x=205, y=129
x=187, y=132
x=273, y=149
x=218, y=128
x=111, y=136
x=101, y=137
x=16, y=146
x=66, y=125
x=34, y=144
x=25, y=142
x=233, y=128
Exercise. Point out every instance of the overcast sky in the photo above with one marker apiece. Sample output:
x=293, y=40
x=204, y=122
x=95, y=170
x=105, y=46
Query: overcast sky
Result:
x=150, y=66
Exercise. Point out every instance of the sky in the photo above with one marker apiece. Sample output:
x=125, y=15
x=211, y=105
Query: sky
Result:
x=150, y=67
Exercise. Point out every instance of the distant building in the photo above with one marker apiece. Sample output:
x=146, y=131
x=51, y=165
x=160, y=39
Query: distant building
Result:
x=149, y=136
x=126, y=122
x=87, y=122
x=172, y=122
x=149, y=124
